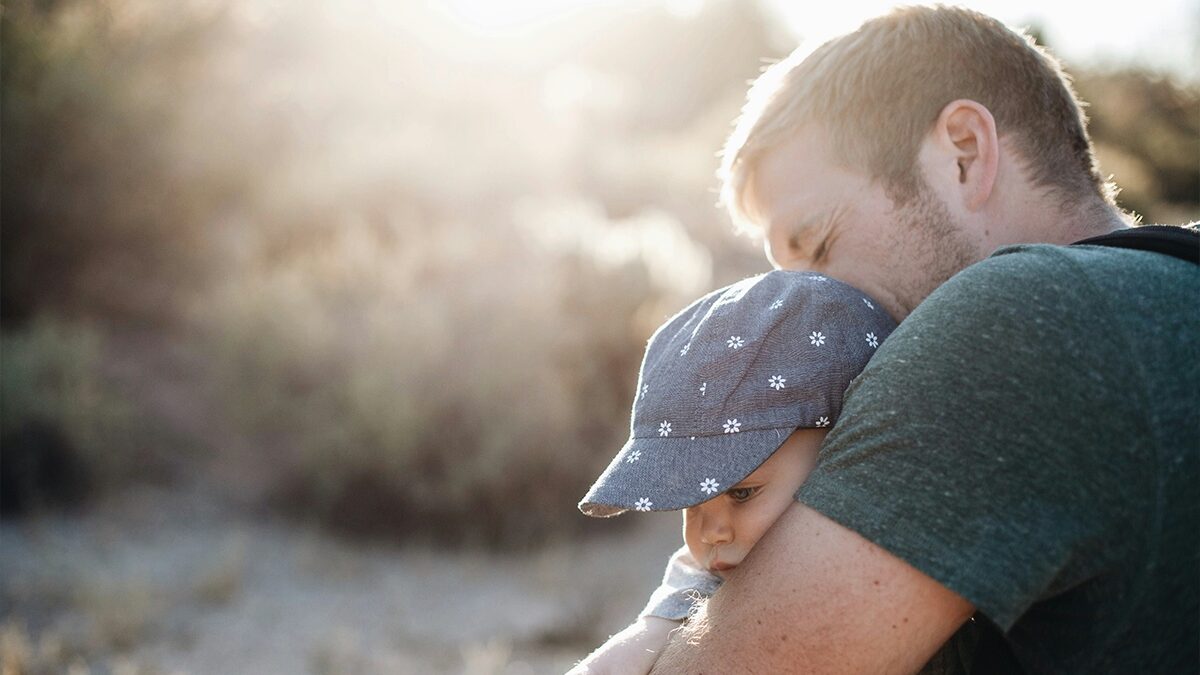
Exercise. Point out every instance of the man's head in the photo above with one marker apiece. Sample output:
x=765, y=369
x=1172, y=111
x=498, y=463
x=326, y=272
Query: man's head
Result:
x=923, y=140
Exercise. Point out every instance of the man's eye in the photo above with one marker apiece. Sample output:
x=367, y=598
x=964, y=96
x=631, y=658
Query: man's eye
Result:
x=802, y=246
x=820, y=251
x=741, y=494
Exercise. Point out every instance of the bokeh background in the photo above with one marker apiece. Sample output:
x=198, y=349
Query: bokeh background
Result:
x=318, y=318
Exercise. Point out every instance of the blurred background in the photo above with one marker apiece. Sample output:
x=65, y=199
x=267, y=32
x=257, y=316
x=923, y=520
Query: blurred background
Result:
x=318, y=318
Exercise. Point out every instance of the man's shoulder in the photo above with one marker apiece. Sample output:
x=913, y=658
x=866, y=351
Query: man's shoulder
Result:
x=1060, y=282
x=1021, y=262
x=1007, y=287
x=1051, y=308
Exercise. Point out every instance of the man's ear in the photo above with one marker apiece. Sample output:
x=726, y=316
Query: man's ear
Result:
x=965, y=151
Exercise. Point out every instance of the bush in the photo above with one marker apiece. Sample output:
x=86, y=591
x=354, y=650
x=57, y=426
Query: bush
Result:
x=108, y=195
x=65, y=431
x=422, y=387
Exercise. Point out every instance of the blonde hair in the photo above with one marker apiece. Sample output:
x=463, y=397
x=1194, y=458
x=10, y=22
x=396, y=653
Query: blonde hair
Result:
x=879, y=90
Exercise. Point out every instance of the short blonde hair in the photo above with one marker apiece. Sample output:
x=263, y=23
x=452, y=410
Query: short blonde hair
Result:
x=879, y=90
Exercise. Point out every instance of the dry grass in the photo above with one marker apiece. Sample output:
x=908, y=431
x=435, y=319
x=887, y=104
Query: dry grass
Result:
x=474, y=411
x=222, y=581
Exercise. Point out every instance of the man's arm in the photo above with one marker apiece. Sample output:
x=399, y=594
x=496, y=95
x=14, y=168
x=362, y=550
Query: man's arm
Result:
x=815, y=597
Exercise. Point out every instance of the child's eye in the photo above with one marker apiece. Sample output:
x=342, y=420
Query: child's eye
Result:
x=742, y=494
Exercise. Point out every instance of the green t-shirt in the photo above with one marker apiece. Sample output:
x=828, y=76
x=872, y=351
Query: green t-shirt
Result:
x=1030, y=438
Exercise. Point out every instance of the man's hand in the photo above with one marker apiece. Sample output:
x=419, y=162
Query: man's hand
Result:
x=630, y=652
x=815, y=597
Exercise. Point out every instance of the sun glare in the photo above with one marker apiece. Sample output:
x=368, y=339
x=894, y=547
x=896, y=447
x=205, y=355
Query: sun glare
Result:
x=1162, y=33
x=511, y=17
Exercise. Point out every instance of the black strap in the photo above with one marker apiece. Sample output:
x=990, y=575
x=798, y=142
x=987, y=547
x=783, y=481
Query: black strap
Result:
x=1177, y=242
x=993, y=654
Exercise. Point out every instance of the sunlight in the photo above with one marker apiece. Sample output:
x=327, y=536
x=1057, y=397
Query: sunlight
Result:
x=512, y=17
x=1162, y=35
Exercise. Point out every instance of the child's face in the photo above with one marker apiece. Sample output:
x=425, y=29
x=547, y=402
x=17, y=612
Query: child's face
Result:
x=721, y=531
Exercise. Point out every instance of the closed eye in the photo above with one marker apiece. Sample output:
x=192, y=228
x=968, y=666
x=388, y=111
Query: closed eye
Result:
x=821, y=250
x=812, y=240
x=828, y=231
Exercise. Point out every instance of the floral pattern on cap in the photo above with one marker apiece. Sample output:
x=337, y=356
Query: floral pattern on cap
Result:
x=733, y=375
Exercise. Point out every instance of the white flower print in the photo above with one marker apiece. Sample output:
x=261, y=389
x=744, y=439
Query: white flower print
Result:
x=643, y=504
x=703, y=388
x=872, y=340
x=735, y=342
x=776, y=382
x=709, y=486
x=868, y=303
x=664, y=429
x=633, y=457
x=817, y=338
x=822, y=421
x=776, y=305
x=818, y=277
x=645, y=388
x=684, y=351
x=732, y=426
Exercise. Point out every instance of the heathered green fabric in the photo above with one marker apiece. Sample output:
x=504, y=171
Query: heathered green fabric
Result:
x=1030, y=438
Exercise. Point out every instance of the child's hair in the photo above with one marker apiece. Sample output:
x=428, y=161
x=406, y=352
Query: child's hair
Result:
x=726, y=381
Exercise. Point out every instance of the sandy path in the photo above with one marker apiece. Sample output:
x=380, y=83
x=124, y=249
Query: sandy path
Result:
x=156, y=582
x=195, y=579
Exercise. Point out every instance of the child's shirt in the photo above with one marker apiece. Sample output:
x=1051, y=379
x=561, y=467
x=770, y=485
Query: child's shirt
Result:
x=684, y=582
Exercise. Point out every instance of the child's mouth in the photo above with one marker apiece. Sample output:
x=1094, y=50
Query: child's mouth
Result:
x=719, y=567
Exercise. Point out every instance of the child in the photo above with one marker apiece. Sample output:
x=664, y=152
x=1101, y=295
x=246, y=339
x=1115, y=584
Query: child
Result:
x=734, y=398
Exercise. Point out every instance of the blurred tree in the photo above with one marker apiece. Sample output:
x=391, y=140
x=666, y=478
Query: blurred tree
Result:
x=1147, y=132
x=100, y=216
x=419, y=263
x=682, y=65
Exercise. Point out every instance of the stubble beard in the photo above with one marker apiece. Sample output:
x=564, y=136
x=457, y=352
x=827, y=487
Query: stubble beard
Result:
x=936, y=248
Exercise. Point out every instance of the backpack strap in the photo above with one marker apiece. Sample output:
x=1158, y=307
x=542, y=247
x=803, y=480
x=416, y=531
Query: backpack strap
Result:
x=1177, y=242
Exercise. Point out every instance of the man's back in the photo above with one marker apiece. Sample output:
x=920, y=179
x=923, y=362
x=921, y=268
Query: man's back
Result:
x=1030, y=438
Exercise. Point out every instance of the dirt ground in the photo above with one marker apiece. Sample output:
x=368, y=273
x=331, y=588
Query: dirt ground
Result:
x=163, y=582
x=199, y=578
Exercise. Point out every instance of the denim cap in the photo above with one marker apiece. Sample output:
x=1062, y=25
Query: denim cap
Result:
x=727, y=380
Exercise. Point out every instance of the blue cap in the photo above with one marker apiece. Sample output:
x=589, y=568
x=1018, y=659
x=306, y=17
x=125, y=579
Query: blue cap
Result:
x=727, y=380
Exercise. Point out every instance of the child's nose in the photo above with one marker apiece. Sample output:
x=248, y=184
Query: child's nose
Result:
x=717, y=528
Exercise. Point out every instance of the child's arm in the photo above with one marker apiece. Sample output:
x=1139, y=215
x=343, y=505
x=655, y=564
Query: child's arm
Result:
x=634, y=650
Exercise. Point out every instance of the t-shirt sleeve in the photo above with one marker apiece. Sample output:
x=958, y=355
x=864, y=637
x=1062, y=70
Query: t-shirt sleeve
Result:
x=684, y=583
x=968, y=445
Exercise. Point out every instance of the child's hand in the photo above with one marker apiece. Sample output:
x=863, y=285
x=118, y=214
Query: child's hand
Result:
x=632, y=651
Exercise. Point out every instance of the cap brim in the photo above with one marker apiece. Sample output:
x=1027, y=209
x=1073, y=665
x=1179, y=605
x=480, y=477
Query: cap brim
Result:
x=677, y=472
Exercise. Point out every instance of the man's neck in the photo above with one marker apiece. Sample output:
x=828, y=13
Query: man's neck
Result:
x=1093, y=219
x=1070, y=223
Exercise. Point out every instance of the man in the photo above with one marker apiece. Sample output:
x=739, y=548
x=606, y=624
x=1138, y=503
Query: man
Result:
x=1027, y=444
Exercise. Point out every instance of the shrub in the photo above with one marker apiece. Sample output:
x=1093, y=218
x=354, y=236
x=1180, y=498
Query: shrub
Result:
x=422, y=387
x=65, y=430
